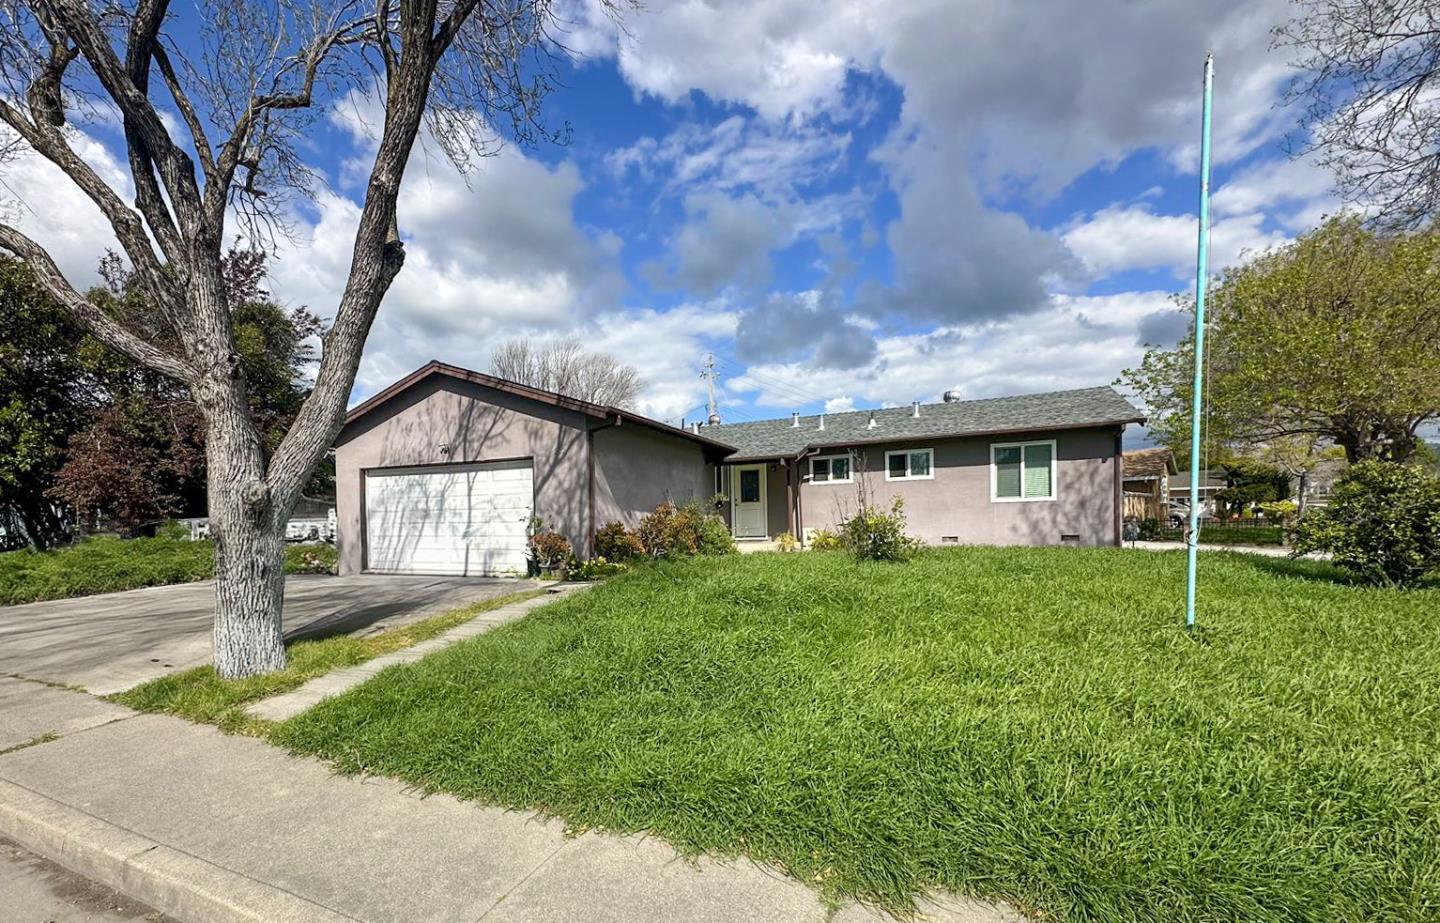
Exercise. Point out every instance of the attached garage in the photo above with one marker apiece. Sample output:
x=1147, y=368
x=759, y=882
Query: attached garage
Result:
x=442, y=472
x=454, y=520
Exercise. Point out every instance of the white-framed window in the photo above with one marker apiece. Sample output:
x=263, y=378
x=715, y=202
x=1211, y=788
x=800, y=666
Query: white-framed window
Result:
x=910, y=465
x=1021, y=471
x=831, y=469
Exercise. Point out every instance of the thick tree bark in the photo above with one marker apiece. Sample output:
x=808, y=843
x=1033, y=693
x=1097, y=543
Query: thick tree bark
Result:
x=249, y=538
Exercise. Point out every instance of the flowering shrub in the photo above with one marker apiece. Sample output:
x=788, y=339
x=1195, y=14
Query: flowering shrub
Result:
x=596, y=568
x=614, y=542
x=550, y=550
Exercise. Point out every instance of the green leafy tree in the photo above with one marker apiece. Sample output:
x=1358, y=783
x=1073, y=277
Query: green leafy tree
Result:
x=1334, y=338
x=46, y=396
x=141, y=458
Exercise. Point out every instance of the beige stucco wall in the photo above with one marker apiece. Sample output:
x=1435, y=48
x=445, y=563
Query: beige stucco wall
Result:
x=479, y=424
x=636, y=469
x=957, y=502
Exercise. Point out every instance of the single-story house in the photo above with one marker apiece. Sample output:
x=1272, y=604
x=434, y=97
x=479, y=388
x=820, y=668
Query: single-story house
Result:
x=1036, y=469
x=1212, y=481
x=442, y=472
x=1147, y=483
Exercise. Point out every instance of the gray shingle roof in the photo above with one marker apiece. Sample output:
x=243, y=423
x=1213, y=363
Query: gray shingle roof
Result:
x=1025, y=412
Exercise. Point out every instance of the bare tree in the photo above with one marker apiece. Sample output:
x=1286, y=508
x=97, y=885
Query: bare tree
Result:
x=567, y=367
x=1371, y=91
x=215, y=120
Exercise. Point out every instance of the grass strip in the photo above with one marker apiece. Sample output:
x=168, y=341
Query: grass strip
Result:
x=202, y=696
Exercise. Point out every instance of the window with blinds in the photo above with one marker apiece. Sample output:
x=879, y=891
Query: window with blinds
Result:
x=1023, y=470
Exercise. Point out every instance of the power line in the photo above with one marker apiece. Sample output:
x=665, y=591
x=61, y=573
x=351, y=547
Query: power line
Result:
x=768, y=383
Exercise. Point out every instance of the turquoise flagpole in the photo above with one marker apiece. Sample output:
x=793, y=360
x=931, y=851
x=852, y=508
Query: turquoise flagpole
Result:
x=1202, y=269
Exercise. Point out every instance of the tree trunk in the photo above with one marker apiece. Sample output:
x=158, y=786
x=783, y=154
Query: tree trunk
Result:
x=249, y=539
x=249, y=591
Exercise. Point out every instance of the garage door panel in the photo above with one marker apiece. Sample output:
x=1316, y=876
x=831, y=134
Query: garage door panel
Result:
x=451, y=520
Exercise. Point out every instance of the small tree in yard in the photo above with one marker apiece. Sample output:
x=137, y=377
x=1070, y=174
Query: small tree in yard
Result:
x=1333, y=339
x=244, y=81
x=1382, y=523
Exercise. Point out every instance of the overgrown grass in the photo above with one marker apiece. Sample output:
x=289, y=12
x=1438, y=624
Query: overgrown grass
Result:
x=201, y=695
x=106, y=564
x=1031, y=724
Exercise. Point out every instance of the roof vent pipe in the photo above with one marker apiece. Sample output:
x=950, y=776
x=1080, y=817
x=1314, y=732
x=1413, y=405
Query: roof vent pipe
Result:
x=952, y=397
x=914, y=408
x=795, y=420
x=695, y=427
x=822, y=421
x=871, y=424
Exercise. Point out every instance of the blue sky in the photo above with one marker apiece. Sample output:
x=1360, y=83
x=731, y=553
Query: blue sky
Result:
x=851, y=203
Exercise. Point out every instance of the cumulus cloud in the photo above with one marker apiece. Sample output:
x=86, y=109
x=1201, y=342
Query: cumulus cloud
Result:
x=39, y=200
x=1133, y=237
x=1073, y=342
x=725, y=241
x=807, y=324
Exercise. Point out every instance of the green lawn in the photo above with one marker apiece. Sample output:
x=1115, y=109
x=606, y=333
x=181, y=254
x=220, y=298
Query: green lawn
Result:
x=1023, y=723
x=106, y=565
x=201, y=695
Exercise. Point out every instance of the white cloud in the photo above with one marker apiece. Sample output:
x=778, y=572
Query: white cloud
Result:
x=842, y=404
x=1074, y=342
x=1133, y=237
x=1289, y=189
x=46, y=205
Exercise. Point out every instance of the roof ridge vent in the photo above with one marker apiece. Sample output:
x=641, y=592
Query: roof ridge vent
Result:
x=872, y=424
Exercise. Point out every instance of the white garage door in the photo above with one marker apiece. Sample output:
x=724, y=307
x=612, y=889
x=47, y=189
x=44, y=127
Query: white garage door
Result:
x=458, y=519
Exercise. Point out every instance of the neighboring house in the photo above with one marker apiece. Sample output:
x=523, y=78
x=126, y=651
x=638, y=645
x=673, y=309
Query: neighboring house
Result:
x=1147, y=483
x=1036, y=469
x=442, y=472
x=1211, y=482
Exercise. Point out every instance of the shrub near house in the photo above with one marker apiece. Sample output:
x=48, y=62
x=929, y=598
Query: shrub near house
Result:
x=1382, y=524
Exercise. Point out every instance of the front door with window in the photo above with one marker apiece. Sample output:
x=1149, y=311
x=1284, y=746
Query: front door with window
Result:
x=748, y=498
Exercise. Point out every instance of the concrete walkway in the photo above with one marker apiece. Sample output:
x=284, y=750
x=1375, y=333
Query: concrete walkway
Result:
x=289, y=704
x=214, y=829
x=114, y=641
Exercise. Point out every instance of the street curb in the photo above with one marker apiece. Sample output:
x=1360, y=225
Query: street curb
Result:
x=173, y=882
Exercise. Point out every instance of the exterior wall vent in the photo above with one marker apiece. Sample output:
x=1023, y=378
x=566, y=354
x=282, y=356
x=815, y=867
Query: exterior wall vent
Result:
x=1069, y=538
x=952, y=397
x=950, y=539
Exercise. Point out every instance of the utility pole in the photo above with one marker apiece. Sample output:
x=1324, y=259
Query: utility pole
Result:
x=709, y=376
x=1202, y=270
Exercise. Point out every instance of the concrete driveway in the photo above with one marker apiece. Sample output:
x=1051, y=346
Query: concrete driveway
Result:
x=111, y=642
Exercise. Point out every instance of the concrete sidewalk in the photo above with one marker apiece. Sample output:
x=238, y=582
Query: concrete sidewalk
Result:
x=214, y=829
x=287, y=705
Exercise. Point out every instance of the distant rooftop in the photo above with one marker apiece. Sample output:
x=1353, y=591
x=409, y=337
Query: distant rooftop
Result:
x=1051, y=410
